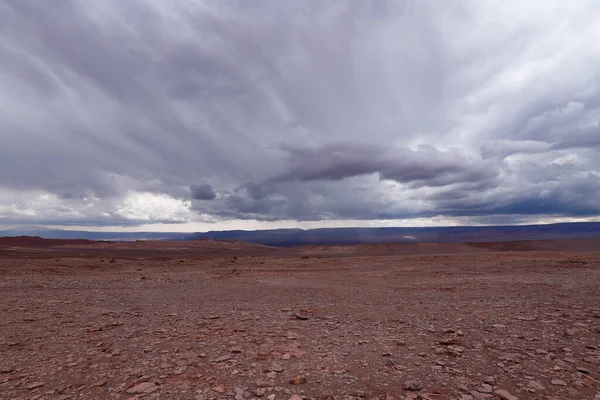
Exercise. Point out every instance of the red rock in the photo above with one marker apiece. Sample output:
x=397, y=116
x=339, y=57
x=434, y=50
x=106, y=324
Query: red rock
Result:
x=298, y=380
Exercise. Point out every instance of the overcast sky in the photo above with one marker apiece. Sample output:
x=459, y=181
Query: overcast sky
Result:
x=221, y=113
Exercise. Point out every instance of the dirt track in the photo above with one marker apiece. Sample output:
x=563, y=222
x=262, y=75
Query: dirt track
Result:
x=199, y=324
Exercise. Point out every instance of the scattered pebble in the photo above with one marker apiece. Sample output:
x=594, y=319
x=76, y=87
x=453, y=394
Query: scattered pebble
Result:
x=219, y=389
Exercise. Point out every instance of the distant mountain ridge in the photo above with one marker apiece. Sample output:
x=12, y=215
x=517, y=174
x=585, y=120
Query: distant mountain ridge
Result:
x=349, y=236
x=341, y=236
x=48, y=233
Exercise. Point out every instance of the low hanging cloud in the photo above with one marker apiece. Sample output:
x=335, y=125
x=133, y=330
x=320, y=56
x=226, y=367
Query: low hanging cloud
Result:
x=121, y=113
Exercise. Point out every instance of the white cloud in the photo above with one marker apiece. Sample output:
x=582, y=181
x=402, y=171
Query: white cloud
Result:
x=150, y=207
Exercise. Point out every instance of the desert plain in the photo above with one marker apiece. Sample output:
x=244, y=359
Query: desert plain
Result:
x=211, y=320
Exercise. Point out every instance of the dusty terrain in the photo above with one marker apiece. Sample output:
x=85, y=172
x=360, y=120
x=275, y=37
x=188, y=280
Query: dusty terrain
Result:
x=221, y=320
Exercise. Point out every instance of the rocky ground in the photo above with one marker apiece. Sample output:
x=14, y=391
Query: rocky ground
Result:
x=280, y=325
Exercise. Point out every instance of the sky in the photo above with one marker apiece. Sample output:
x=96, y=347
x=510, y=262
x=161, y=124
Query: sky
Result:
x=225, y=114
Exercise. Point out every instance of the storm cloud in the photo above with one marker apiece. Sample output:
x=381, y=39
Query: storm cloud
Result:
x=155, y=111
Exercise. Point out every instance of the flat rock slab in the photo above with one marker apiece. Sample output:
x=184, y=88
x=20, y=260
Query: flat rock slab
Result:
x=504, y=395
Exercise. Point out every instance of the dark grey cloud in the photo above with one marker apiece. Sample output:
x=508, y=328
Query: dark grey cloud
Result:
x=153, y=111
x=426, y=166
x=203, y=192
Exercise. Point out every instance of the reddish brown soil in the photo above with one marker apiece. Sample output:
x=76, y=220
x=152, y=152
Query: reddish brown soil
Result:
x=194, y=320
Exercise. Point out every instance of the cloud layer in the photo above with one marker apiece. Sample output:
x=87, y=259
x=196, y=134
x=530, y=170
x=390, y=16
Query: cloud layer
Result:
x=151, y=111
